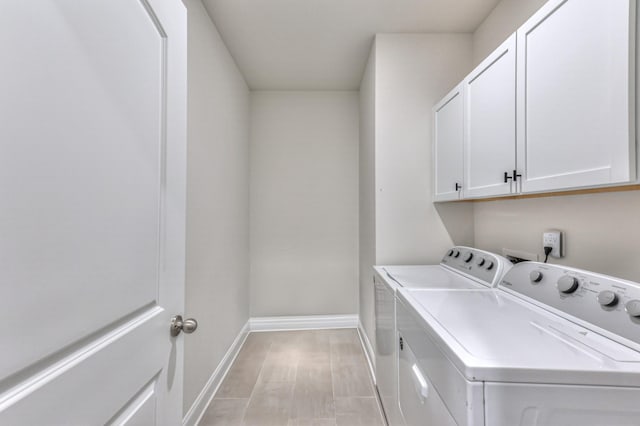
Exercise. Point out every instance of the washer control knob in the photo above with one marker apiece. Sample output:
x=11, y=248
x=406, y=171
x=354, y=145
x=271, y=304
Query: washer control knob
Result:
x=567, y=284
x=468, y=256
x=456, y=253
x=481, y=261
x=633, y=308
x=489, y=265
x=607, y=298
x=450, y=253
x=535, y=276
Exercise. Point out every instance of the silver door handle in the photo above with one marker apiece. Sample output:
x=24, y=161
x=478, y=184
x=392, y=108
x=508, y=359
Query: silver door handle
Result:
x=178, y=324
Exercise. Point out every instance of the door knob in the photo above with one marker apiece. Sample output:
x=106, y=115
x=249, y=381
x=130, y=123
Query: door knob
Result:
x=178, y=325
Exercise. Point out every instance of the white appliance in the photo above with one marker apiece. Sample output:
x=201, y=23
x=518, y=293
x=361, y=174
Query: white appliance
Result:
x=460, y=268
x=551, y=345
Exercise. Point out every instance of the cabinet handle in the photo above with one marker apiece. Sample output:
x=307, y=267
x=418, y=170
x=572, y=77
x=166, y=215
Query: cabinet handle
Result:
x=515, y=176
x=507, y=177
x=458, y=186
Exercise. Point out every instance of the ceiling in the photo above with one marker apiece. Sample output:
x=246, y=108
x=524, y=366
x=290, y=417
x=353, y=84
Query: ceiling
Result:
x=324, y=44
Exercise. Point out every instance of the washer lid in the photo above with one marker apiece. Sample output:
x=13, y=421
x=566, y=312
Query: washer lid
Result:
x=493, y=336
x=428, y=276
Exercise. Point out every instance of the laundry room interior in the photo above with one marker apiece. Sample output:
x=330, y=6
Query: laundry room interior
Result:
x=325, y=138
x=341, y=174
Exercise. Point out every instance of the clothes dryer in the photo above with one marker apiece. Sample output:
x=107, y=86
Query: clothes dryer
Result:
x=460, y=268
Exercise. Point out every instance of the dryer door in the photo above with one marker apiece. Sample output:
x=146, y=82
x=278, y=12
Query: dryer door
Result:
x=420, y=404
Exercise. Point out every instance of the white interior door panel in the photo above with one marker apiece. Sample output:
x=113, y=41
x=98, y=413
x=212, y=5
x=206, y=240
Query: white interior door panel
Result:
x=92, y=141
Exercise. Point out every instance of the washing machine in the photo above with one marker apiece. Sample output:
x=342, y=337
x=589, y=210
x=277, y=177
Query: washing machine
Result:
x=460, y=268
x=550, y=346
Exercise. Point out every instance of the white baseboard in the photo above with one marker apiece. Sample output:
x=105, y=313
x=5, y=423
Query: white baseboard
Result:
x=368, y=351
x=307, y=322
x=203, y=400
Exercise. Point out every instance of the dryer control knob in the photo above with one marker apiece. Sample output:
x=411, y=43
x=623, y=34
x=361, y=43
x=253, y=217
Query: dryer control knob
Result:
x=450, y=253
x=607, y=298
x=468, y=257
x=489, y=265
x=456, y=253
x=480, y=261
x=567, y=284
x=633, y=308
x=535, y=276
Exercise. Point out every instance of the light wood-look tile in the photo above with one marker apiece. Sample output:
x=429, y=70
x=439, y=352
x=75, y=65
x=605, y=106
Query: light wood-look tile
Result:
x=280, y=366
x=255, y=347
x=313, y=392
x=297, y=378
x=351, y=380
x=358, y=411
x=270, y=404
x=244, y=372
x=312, y=422
x=224, y=412
x=240, y=380
x=347, y=353
x=316, y=357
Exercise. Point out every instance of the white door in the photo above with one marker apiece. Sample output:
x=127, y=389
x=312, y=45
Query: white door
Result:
x=490, y=124
x=576, y=97
x=92, y=223
x=448, y=127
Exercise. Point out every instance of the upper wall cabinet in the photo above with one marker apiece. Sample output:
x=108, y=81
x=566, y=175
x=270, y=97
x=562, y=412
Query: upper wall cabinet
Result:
x=447, y=146
x=490, y=124
x=576, y=68
x=554, y=107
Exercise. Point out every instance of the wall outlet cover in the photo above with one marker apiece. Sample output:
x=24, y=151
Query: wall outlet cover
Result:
x=554, y=239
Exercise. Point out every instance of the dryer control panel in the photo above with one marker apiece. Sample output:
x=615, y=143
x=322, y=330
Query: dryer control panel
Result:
x=599, y=302
x=482, y=265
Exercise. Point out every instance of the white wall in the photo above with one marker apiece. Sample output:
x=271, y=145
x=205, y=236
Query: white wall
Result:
x=411, y=72
x=603, y=230
x=217, y=201
x=367, y=200
x=505, y=18
x=304, y=203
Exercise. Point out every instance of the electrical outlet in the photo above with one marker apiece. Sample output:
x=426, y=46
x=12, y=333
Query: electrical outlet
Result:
x=555, y=240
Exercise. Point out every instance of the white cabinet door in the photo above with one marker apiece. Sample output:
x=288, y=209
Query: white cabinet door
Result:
x=92, y=183
x=448, y=123
x=490, y=124
x=576, y=95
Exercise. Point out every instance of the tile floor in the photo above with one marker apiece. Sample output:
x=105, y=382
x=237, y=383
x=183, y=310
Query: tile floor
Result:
x=296, y=378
